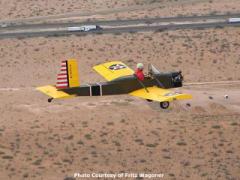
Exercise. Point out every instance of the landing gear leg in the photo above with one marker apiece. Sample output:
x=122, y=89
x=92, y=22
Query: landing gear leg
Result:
x=50, y=100
x=164, y=104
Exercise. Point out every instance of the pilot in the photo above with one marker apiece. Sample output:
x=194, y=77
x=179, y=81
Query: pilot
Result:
x=139, y=72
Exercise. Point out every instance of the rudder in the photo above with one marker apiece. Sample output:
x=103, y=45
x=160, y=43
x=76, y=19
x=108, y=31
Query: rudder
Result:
x=68, y=76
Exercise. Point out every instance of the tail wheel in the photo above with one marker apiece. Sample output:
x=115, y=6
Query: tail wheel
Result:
x=50, y=100
x=164, y=104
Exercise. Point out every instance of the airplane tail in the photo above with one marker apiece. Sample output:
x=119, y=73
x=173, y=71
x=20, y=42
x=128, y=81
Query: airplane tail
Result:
x=67, y=78
x=68, y=75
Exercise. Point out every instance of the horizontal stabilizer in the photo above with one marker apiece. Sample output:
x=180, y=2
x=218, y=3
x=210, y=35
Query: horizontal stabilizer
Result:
x=53, y=92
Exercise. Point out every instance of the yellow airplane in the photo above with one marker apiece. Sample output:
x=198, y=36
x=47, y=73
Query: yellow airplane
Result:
x=120, y=80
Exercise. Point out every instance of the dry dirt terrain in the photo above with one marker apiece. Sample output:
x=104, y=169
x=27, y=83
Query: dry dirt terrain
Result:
x=202, y=55
x=27, y=8
x=169, y=9
x=116, y=134
x=194, y=139
x=112, y=9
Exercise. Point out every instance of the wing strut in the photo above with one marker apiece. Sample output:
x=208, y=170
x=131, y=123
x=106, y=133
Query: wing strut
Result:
x=140, y=82
x=159, y=83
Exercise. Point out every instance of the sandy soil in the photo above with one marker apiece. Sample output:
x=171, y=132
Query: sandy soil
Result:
x=168, y=9
x=202, y=55
x=11, y=9
x=28, y=8
x=115, y=134
x=123, y=9
x=39, y=140
x=182, y=9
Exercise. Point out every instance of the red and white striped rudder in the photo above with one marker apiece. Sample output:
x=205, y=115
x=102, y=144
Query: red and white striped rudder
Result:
x=62, y=77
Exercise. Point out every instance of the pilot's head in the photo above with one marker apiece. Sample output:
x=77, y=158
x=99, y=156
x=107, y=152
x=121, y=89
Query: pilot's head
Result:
x=140, y=66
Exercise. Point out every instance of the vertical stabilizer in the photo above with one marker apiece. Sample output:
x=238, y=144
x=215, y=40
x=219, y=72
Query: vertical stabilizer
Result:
x=68, y=76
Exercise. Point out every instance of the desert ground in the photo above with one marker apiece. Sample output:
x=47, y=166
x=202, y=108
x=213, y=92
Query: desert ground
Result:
x=121, y=133
x=193, y=139
x=112, y=9
x=202, y=55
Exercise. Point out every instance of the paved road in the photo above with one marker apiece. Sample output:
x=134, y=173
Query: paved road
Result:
x=120, y=26
x=122, y=22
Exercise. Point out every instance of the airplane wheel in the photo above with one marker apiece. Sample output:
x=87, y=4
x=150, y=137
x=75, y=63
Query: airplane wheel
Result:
x=164, y=104
x=50, y=100
x=149, y=100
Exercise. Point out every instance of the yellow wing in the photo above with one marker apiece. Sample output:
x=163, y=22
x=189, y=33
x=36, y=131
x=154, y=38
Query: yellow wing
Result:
x=158, y=94
x=113, y=70
x=53, y=92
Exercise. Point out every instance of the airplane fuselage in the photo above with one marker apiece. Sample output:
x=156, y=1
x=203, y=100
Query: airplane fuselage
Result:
x=127, y=84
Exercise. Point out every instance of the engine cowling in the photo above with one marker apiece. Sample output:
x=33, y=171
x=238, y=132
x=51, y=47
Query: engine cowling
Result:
x=177, y=79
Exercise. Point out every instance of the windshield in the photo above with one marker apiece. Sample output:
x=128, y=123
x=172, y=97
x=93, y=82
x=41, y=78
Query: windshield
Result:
x=152, y=70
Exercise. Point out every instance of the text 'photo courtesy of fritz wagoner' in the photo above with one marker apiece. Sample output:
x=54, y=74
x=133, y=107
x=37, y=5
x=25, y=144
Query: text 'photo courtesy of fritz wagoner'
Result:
x=118, y=175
